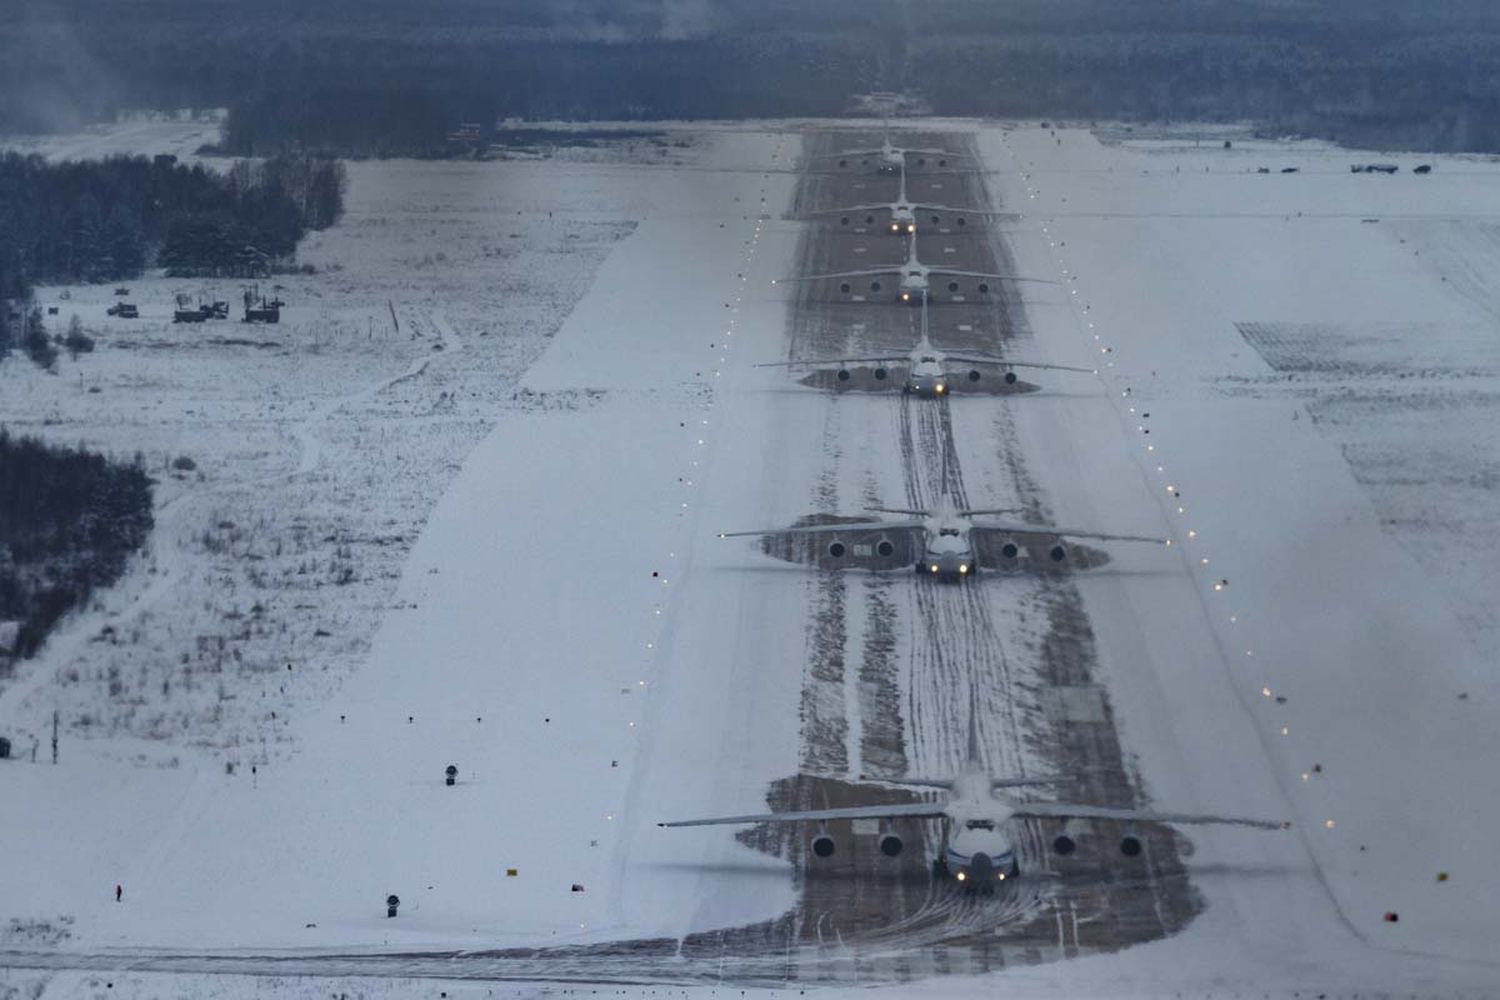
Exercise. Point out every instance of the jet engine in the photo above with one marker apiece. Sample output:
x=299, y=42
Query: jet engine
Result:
x=1009, y=549
x=822, y=845
x=885, y=547
x=1010, y=378
x=890, y=844
x=1064, y=844
x=836, y=549
x=843, y=375
x=880, y=374
x=1130, y=845
x=1058, y=552
x=974, y=374
x=984, y=288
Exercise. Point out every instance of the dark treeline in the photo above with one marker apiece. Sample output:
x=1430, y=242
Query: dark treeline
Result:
x=69, y=521
x=106, y=220
x=392, y=76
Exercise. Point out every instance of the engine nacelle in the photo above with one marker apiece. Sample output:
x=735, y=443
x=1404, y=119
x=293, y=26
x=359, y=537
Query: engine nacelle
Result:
x=984, y=288
x=891, y=845
x=843, y=375
x=881, y=374
x=885, y=547
x=823, y=846
x=1130, y=845
x=975, y=375
x=845, y=288
x=1010, y=378
x=1064, y=844
x=837, y=550
x=1058, y=552
x=1009, y=549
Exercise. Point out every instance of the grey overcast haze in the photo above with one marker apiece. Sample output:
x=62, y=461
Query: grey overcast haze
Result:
x=953, y=499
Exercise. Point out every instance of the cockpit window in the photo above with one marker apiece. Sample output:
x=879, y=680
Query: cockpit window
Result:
x=951, y=532
x=980, y=824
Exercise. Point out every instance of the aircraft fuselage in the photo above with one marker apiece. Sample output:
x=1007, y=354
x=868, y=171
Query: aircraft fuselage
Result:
x=947, y=554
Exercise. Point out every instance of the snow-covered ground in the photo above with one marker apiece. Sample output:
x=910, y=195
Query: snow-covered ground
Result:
x=1276, y=359
x=566, y=628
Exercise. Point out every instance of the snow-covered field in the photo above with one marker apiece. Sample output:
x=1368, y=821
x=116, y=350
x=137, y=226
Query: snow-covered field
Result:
x=503, y=516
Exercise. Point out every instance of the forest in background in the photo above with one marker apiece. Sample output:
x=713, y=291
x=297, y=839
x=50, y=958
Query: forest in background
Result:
x=380, y=77
x=108, y=220
x=69, y=522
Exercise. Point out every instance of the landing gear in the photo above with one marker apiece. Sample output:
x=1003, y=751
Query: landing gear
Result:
x=939, y=868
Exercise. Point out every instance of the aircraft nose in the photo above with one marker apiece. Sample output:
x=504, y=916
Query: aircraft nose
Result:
x=982, y=867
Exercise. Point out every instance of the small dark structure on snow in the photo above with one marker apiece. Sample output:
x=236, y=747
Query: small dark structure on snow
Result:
x=259, y=309
x=391, y=903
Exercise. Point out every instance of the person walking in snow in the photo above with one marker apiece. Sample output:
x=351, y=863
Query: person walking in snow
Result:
x=119, y=891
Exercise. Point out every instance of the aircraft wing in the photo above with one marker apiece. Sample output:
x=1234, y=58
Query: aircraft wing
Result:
x=982, y=274
x=890, y=359
x=826, y=529
x=1020, y=527
x=929, y=206
x=853, y=208
x=1062, y=810
x=922, y=810
x=871, y=273
x=847, y=152
x=1006, y=363
x=933, y=152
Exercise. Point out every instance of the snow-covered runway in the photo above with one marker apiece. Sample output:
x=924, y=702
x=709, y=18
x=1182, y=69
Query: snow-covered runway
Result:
x=571, y=632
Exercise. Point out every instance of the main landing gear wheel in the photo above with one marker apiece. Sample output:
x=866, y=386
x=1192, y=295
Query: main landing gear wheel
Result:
x=939, y=868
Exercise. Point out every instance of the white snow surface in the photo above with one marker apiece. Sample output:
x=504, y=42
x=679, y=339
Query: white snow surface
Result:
x=1320, y=394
